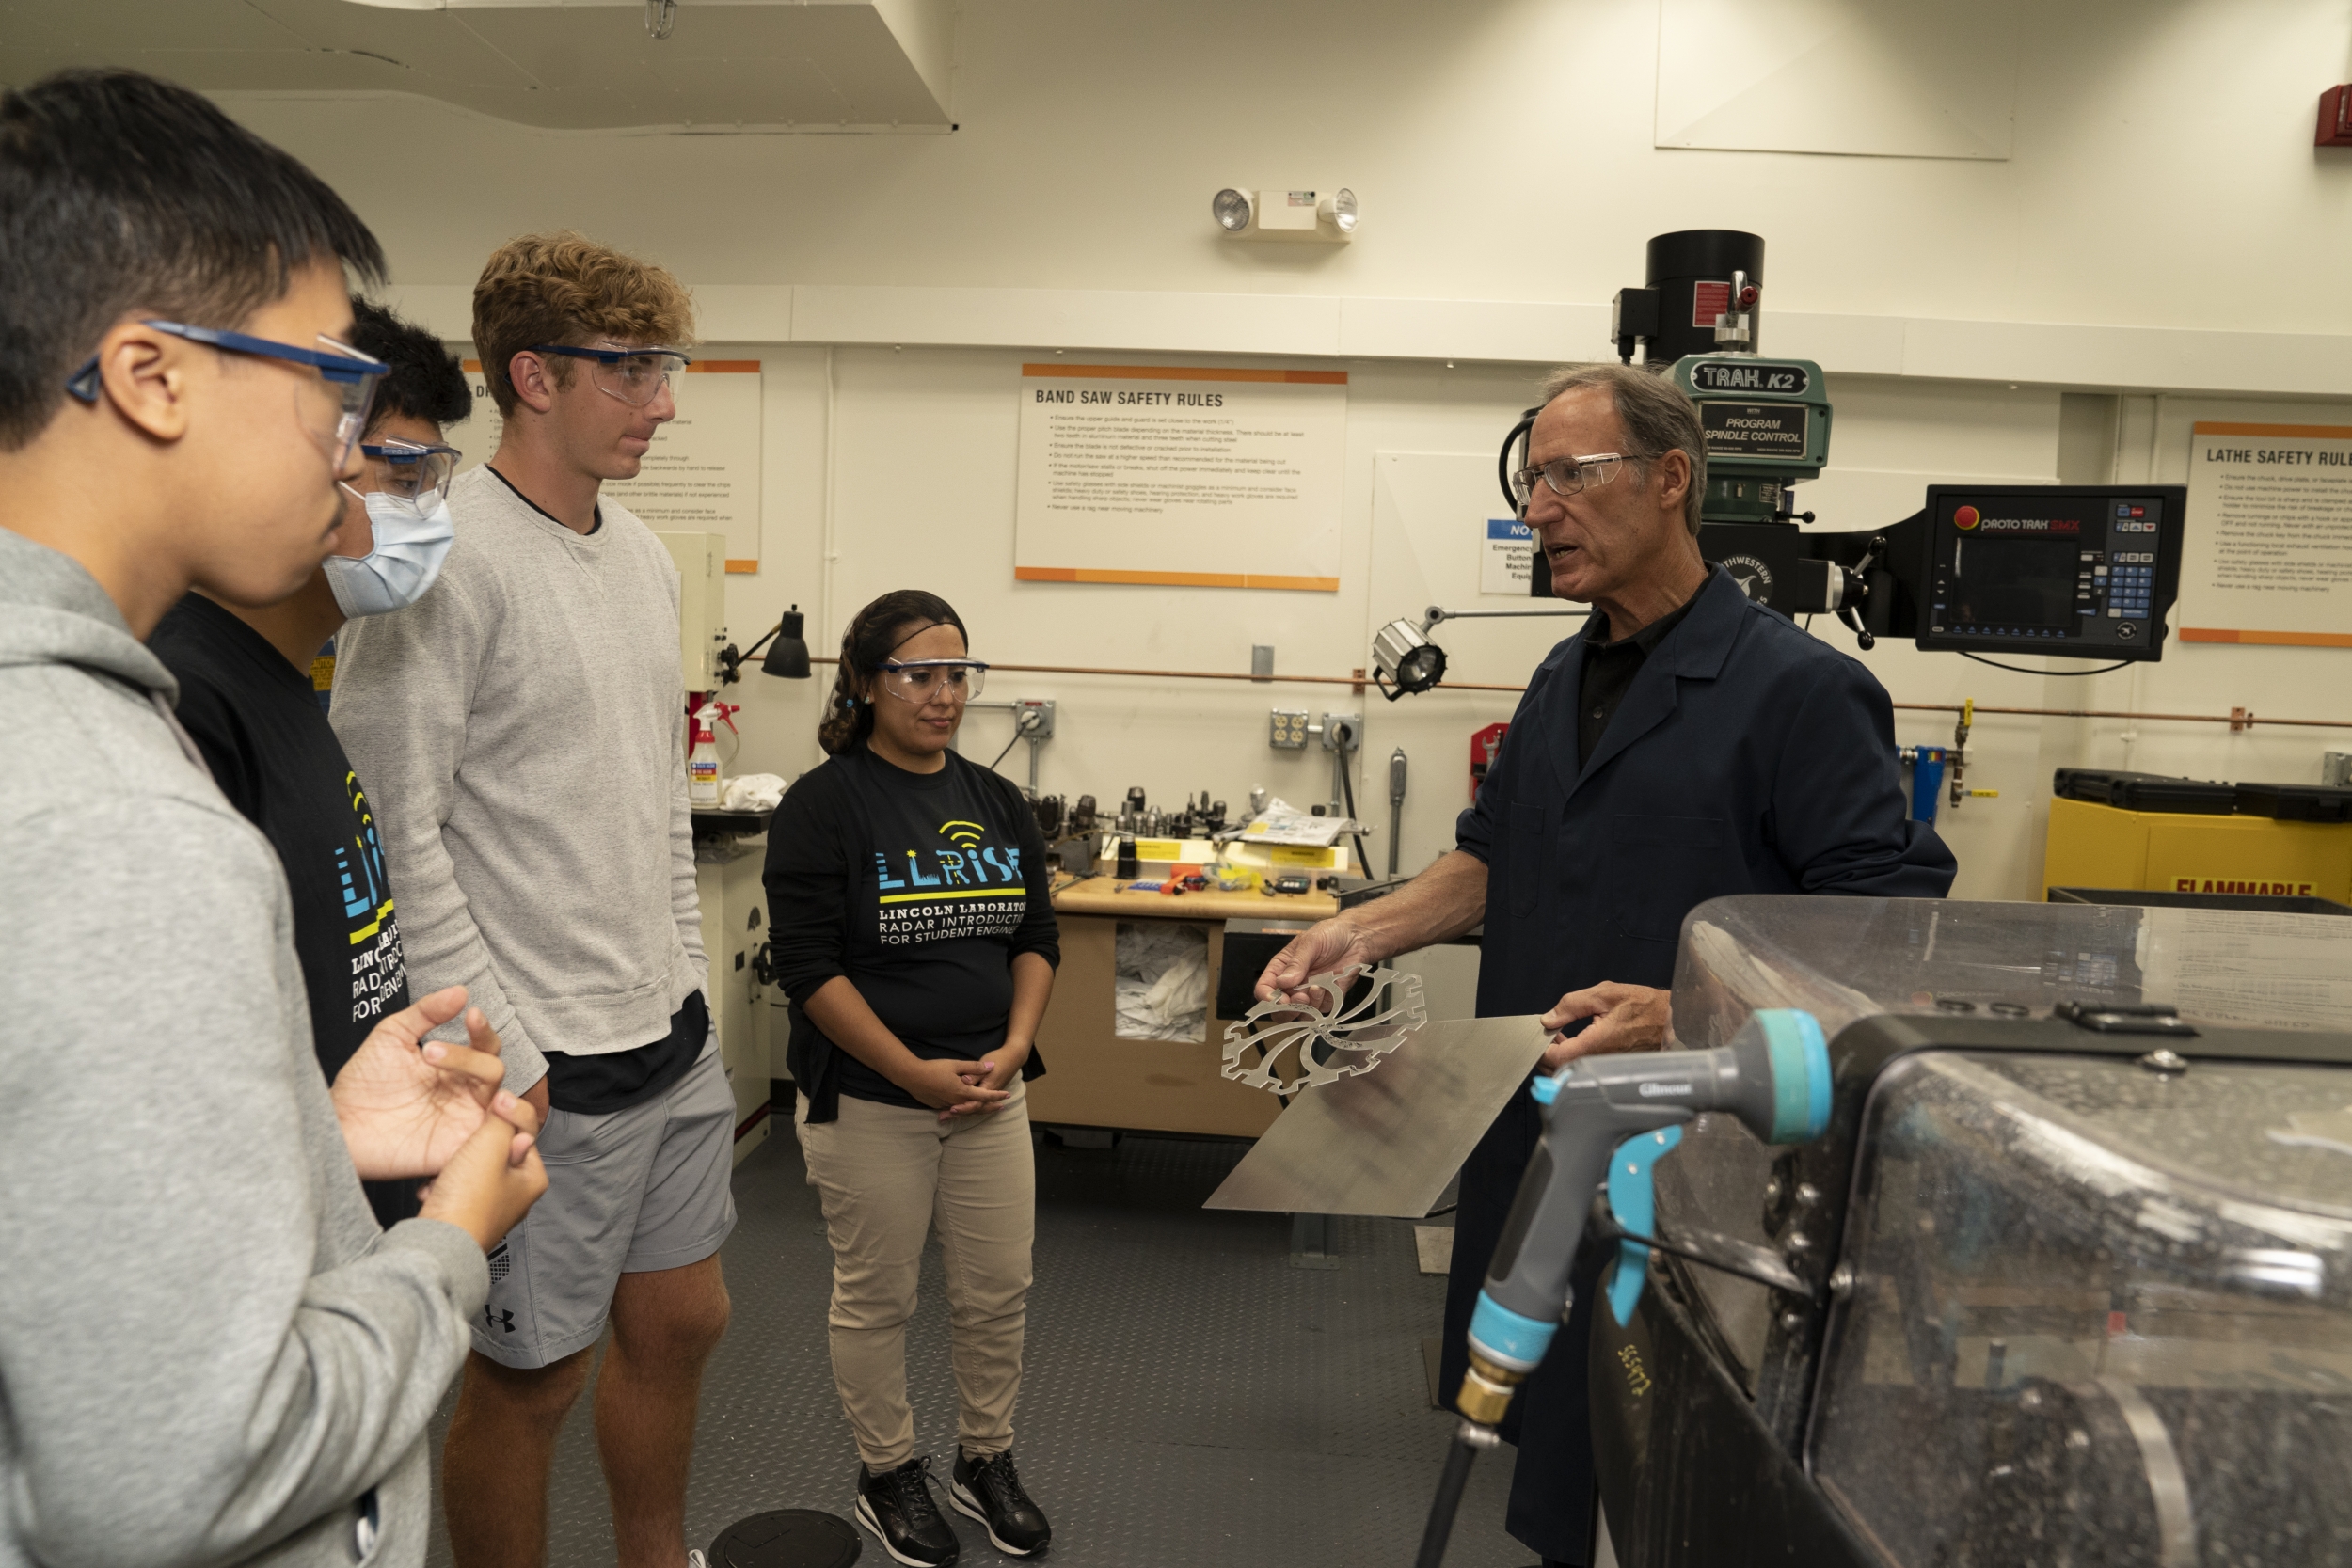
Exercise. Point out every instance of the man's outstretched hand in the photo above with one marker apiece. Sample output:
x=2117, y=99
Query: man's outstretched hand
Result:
x=1625, y=1017
x=1325, y=947
x=406, y=1104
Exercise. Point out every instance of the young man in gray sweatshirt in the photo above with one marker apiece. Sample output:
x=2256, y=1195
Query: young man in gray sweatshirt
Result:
x=521, y=729
x=209, y=1353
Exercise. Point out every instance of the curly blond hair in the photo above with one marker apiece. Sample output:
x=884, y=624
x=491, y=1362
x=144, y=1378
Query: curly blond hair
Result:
x=564, y=288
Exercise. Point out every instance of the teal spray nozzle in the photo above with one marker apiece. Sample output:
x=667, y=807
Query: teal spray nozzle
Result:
x=1775, y=1076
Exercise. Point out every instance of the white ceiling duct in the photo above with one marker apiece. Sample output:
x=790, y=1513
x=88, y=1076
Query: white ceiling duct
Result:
x=764, y=65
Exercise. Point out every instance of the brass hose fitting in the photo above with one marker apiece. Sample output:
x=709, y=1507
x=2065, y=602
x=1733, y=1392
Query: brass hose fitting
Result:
x=1485, y=1390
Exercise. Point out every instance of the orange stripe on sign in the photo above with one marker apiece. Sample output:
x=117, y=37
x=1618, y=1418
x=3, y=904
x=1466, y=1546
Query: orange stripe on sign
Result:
x=1186, y=372
x=1175, y=579
x=473, y=367
x=2269, y=638
x=2309, y=432
x=741, y=566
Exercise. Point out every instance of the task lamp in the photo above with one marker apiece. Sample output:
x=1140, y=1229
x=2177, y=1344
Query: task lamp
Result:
x=1405, y=661
x=789, y=658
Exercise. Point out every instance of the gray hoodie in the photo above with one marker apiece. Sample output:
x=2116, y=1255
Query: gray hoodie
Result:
x=208, y=1354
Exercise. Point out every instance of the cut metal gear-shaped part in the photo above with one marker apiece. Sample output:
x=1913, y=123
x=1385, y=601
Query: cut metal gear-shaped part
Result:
x=1289, y=1046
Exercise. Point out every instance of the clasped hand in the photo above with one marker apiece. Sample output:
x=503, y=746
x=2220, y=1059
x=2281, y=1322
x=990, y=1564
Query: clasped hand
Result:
x=957, y=1088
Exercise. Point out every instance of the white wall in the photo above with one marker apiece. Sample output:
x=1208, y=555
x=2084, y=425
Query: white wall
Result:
x=2163, y=180
x=2163, y=174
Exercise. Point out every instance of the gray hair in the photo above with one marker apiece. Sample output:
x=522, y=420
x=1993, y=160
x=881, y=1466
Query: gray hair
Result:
x=1658, y=419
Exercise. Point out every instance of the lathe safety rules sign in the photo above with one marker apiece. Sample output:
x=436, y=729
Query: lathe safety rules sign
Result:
x=1181, y=476
x=2268, y=553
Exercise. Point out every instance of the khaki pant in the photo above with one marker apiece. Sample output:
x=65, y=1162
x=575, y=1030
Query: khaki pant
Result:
x=886, y=1174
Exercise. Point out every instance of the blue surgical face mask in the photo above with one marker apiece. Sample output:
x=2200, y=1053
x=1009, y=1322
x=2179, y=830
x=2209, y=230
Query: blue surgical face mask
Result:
x=410, y=545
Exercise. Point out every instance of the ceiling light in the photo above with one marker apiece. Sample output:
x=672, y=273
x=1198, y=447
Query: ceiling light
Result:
x=1232, y=209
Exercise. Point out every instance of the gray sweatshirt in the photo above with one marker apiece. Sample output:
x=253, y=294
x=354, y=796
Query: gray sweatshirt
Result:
x=522, y=730
x=208, y=1354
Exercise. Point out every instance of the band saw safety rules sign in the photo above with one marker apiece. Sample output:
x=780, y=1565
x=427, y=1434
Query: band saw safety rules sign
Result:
x=1181, y=476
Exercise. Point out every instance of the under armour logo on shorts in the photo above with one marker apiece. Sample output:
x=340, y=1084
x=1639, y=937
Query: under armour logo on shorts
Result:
x=502, y=1322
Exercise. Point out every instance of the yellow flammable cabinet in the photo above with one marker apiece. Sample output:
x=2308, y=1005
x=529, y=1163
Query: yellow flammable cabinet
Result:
x=2197, y=838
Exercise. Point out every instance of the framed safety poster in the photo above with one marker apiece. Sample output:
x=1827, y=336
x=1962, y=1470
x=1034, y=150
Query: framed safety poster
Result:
x=1181, y=476
x=702, y=475
x=2268, y=555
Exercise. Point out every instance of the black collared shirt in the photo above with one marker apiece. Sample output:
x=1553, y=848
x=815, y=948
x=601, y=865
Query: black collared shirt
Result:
x=1609, y=671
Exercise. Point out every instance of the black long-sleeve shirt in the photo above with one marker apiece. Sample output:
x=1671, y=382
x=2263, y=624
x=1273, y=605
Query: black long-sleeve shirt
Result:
x=272, y=753
x=921, y=889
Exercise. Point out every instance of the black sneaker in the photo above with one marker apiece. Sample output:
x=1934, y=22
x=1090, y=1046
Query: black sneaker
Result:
x=897, y=1507
x=990, y=1491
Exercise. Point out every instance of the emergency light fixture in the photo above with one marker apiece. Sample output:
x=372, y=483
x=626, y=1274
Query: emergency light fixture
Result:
x=1326, y=216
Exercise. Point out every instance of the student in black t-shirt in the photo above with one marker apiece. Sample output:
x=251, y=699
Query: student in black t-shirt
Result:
x=248, y=698
x=915, y=937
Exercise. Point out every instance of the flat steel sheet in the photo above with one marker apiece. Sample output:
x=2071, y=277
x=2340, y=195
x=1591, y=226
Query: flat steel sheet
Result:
x=1386, y=1143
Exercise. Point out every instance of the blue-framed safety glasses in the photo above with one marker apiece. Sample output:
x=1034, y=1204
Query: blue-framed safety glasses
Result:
x=333, y=406
x=921, y=680
x=634, y=375
x=416, y=474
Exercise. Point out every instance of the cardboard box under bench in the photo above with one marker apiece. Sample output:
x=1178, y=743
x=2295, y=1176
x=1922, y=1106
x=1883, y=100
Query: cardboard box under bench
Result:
x=1093, y=1078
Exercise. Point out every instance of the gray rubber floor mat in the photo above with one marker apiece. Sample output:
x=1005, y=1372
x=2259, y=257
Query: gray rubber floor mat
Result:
x=1188, y=1399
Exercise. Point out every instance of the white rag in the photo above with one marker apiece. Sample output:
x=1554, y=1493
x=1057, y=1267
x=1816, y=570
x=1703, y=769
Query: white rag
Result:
x=752, y=792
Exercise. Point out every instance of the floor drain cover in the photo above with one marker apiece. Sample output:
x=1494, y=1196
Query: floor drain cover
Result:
x=789, y=1538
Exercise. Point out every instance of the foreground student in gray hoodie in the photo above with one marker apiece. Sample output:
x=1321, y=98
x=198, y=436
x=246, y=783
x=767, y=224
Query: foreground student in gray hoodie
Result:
x=208, y=1354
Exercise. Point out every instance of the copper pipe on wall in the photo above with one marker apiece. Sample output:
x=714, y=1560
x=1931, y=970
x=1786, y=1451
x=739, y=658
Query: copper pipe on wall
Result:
x=2240, y=719
x=1358, y=682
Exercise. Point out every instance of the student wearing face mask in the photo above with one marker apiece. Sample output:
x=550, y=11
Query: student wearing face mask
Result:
x=247, y=699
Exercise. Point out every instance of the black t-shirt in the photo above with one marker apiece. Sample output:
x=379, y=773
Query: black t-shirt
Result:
x=271, y=749
x=615, y=1081
x=921, y=888
x=1608, y=675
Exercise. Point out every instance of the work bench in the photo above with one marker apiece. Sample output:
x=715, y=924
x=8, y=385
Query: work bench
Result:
x=1097, y=1078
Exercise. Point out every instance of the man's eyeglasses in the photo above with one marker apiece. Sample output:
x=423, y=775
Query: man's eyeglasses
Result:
x=419, y=475
x=922, y=680
x=635, y=375
x=1569, y=476
x=333, y=407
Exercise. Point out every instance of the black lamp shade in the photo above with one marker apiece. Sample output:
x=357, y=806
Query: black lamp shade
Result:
x=788, y=656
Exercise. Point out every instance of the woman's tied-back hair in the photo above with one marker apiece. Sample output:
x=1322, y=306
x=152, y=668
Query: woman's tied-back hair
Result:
x=564, y=288
x=875, y=633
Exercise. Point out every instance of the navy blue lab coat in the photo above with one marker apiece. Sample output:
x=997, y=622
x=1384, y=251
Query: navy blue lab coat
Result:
x=1746, y=757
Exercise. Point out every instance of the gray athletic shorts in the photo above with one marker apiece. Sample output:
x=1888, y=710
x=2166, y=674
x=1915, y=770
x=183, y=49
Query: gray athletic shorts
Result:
x=628, y=1193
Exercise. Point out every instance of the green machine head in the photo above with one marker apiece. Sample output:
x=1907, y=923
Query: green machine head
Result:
x=1766, y=423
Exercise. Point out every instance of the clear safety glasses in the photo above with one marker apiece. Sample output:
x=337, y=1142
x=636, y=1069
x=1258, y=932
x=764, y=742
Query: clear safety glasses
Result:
x=419, y=475
x=924, y=680
x=332, y=405
x=635, y=375
x=1569, y=476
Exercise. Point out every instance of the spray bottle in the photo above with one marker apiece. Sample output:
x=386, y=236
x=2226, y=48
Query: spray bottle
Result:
x=702, y=752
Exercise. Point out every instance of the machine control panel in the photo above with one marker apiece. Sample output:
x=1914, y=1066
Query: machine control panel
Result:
x=2076, y=571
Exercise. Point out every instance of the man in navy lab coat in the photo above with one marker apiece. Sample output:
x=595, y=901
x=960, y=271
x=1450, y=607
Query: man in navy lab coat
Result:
x=1687, y=744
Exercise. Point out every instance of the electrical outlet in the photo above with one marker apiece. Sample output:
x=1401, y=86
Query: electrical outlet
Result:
x=1341, y=732
x=1035, y=718
x=1287, y=729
